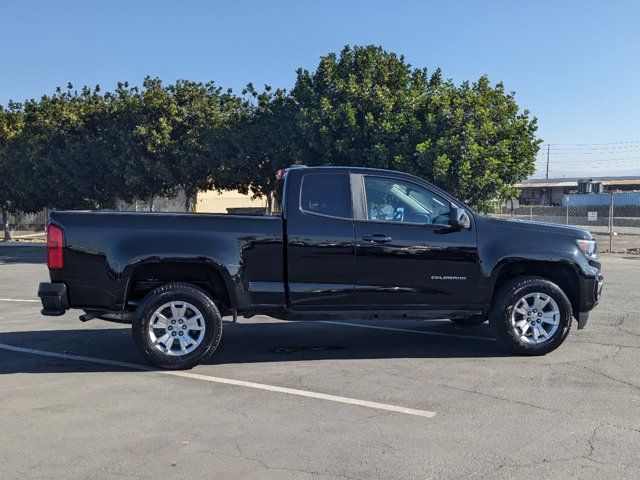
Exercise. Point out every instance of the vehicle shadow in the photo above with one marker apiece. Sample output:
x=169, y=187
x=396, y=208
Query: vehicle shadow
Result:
x=22, y=254
x=251, y=343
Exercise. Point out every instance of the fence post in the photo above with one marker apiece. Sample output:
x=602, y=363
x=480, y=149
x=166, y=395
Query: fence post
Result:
x=567, y=214
x=530, y=212
x=611, y=222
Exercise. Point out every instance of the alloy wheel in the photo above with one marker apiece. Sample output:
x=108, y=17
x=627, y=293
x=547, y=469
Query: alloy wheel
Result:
x=176, y=328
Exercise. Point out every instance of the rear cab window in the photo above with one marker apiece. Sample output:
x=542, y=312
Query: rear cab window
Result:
x=326, y=194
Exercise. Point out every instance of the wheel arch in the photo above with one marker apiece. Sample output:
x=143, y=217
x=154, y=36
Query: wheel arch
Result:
x=145, y=276
x=563, y=274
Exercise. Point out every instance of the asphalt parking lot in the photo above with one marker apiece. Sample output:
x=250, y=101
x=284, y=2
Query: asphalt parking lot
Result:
x=290, y=399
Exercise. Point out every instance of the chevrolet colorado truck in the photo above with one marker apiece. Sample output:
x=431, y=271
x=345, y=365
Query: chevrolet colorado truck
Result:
x=344, y=242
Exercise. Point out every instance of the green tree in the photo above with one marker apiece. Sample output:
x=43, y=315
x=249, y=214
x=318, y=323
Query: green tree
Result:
x=199, y=136
x=11, y=120
x=262, y=140
x=144, y=121
x=357, y=109
x=369, y=107
x=61, y=155
x=474, y=140
x=364, y=106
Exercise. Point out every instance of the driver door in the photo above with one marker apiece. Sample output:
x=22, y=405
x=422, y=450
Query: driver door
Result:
x=406, y=253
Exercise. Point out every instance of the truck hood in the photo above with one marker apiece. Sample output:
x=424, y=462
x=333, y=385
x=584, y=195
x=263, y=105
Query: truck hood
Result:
x=542, y=227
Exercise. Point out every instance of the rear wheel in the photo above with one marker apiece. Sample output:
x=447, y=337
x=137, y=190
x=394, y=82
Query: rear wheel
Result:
x=468, y=321
x=177, y=326
x=532, y=315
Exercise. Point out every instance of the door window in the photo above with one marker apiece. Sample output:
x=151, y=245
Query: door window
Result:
x=391, y=200
x=326, y=194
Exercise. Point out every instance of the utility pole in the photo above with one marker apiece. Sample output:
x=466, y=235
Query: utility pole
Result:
x=611, y=222
x=548, y=189
x=548, y=149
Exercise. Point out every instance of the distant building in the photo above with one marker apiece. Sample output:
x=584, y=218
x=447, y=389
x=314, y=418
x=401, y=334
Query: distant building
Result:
x=228, y=201
x=553, y=191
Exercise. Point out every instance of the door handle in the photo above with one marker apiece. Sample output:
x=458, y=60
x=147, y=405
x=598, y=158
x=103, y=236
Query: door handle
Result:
x=377, y=238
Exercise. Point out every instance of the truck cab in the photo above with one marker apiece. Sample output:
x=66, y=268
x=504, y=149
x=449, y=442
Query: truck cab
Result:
x=372, y=240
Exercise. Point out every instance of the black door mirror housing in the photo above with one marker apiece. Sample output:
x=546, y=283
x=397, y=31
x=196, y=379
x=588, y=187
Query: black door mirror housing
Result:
x=459, y=218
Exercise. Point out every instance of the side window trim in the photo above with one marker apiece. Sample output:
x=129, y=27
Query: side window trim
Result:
x=325, y=215
x=365, y=212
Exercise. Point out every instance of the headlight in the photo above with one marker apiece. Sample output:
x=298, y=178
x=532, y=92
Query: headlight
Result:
x=588, y=247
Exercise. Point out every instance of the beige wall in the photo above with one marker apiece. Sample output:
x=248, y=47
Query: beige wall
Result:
x=216, y=202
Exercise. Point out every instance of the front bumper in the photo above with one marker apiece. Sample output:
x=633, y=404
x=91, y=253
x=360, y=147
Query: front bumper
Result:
x=591, y=291
x=599, y=285
x=54, y=298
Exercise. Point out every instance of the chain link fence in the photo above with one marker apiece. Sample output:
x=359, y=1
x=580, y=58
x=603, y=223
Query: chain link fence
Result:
x=612, y=218
x=30, y=227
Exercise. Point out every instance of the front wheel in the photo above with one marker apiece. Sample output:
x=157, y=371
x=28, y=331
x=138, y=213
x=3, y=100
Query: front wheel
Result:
x=177, y=326
x=532, y=315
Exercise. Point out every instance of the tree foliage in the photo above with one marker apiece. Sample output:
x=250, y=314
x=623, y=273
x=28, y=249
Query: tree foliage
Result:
x=368, y=107
x=200, y=136
x=11, y=121
x=261, y=141
x=357, y=109
x=363, y=106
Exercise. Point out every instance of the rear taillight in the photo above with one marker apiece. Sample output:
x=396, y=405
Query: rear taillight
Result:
x=54, y=247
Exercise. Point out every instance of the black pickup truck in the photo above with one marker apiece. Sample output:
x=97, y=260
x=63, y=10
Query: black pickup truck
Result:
x=347, y=242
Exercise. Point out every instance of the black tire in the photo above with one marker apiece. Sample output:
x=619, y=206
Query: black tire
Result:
x=504, y=302
x=178, y=292
x=469, y=321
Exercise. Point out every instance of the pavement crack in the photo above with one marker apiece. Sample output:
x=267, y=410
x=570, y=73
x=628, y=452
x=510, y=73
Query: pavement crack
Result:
x=496, y=397
x=589, y=342
x=614, y=379
x=592, y=439
x=265, y=465
x=588, y=455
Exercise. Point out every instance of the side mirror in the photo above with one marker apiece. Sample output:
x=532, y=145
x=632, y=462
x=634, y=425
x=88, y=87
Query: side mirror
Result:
x=459, y=218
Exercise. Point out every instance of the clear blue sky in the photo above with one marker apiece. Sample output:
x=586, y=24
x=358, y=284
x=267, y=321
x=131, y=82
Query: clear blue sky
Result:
x=575, y=65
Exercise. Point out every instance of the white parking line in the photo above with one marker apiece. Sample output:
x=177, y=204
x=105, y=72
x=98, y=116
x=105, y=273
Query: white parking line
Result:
x=407, y=330
x=226, y=381
x=18, y=300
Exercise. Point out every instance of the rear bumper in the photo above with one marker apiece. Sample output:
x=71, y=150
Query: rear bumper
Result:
x=54, y=298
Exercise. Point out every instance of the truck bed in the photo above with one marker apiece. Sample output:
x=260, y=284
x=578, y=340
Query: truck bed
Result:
x=105, y=253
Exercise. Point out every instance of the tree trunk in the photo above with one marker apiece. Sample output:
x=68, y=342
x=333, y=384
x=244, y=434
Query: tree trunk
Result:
x=189, y=199
x=269, y=196
x=151, y=200
x=5, y=224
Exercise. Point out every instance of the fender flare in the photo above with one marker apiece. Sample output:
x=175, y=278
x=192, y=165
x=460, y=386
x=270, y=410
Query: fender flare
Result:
x=231, y=280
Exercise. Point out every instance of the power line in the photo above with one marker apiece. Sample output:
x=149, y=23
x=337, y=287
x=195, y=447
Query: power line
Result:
x=592, y=160
x=584, y=149
x=591, y=167
x=591, y=144
x=616, y=152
